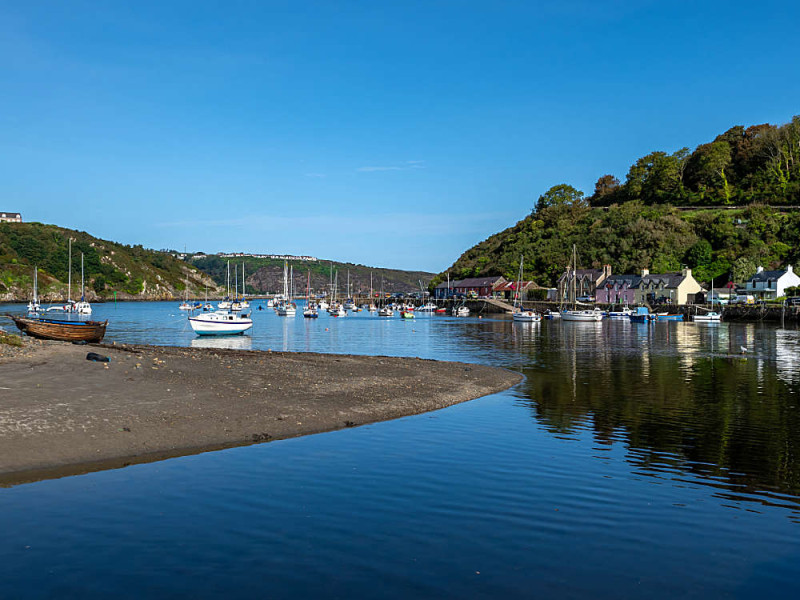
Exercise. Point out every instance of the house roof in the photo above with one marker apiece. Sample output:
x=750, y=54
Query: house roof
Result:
x=8, y=215
x=511, y=286
x=630, y=280
x=670, y=280
x=592, y=274
x=478, y=281
x=767, y=275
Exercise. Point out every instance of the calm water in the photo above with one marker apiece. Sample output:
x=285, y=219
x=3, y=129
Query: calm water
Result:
x=637, y=461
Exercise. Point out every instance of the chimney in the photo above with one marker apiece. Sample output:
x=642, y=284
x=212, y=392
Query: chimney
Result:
x=760, y=270
x=789, y=269
x=606, y=271
x=686, y=272
x=645, y=272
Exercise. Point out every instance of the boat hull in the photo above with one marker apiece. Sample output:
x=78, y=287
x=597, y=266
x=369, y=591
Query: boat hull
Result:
x=236, y=326
x=590, y=316
x=62, y=331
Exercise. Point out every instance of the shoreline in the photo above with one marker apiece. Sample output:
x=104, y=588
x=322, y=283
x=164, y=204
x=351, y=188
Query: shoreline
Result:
x=61, y=414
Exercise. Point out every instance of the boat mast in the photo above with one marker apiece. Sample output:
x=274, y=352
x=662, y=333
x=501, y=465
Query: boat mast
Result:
x=69, y=275
x=228, y=282
x=36, y=285
x=82, y=292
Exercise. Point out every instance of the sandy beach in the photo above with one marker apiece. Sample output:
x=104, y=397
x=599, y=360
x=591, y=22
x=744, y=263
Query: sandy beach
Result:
x=62, y=414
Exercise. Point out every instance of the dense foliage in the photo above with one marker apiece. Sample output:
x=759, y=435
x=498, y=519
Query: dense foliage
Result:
x=721, y=210
x=760, y=163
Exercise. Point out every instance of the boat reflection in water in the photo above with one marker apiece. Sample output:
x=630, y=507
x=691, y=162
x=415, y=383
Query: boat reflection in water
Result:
x=233, y=342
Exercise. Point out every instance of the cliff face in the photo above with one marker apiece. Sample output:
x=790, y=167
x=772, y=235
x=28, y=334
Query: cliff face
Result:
x=132, y=272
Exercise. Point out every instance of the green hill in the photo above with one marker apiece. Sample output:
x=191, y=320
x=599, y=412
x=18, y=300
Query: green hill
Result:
x=132, y=272
x=722, y=210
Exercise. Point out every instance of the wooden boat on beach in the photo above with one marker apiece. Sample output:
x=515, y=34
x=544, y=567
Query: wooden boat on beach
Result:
x=63, y=331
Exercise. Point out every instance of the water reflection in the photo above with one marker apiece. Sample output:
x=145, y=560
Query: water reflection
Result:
x=718, y=403
x=230, y=342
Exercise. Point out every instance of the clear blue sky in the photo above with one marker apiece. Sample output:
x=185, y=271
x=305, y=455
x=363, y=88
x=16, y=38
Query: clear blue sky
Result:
x=392, y=134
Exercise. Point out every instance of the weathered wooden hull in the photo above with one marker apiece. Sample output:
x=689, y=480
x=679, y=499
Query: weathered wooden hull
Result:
x=64, y=331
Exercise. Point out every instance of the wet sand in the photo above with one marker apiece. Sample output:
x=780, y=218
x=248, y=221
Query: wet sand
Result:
x=61, y=414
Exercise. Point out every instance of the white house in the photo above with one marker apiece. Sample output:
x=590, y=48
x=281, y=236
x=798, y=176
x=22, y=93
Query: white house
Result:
x=9, y=217
x=768, y=285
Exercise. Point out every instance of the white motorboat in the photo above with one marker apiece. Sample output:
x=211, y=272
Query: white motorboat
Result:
x=709, y=317
x=385, y=312
x=220, y=323
x=427, y=308
x=526, y=316
x=286, y=309
x=593, y=315
x=625, y=313
x=460, y=311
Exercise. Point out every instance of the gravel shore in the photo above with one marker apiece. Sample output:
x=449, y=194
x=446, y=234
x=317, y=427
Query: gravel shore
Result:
x=61, y=414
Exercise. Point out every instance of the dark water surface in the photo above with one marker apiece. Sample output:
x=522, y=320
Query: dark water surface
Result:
x=635, y=461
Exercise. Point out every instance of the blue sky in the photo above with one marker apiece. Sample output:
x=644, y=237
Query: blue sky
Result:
x=392, y=134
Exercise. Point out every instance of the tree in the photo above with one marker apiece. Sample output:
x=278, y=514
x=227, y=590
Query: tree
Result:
x=561, y=196
x=707, y=168
x=604, y=190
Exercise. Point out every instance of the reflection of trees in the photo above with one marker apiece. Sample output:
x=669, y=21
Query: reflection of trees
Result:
x=725, y=415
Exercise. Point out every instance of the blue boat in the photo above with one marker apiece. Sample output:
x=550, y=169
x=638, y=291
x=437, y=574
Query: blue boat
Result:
x=641, y=315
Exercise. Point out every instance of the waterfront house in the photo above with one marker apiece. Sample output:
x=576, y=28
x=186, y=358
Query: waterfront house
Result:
x=768, y=285
x=618, y=289
x=482, y=286
x=666, y=288
x=9, y=217
x=443, y=290
x=586, y=281
x=506, y=289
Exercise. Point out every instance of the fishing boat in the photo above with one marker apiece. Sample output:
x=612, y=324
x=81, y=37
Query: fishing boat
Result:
x=63, y=331
x=641, y=315
x=666, y=316
x=220, y=322
x=519, y=314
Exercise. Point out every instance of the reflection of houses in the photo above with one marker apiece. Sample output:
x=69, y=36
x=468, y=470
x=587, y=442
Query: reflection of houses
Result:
x=586, y=281
x=506, y=289
x=618, y=289
x=769, y=285
x=482, y=286
x=670, y=288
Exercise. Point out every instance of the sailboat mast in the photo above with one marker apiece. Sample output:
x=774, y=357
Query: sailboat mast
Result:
x=82, y=293
x=69, y=275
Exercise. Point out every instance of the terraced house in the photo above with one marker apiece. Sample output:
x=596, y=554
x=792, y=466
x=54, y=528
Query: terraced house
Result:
x=666, y=288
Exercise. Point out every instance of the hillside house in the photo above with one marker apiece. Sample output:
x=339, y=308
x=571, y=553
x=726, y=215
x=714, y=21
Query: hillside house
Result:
x=768, y=285
x=9, y=217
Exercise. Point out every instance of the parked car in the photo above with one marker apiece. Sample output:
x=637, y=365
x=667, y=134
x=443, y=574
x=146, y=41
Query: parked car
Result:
x=585, y=298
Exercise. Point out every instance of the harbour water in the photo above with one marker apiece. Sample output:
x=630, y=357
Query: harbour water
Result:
x=636, y=460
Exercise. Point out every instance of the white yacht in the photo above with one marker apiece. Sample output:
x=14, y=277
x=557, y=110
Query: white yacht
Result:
x=220, y=323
